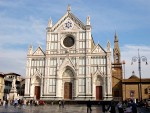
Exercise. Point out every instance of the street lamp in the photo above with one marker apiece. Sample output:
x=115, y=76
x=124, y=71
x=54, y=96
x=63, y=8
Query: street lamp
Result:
x=139, y=59
x=123, y=62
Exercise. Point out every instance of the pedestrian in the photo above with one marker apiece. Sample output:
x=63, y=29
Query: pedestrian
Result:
x=59, y=103
x=112, y=107
x=6, y=104
x=31, y=102
x=120, y=107
x=24, y=103
x=63, y=103
x=89, y=106
x=103, y=107
x=15, y=103
x=52, y=103
x=0, y=102
x=134, y=107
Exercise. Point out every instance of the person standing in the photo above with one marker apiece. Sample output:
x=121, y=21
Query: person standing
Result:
x=24, y=103
x=112, y=107
x=89, y=106
x=103, y=107
x=0, y=102
x=120, y=107
x=4, y=102
x=59, y=103
x=63, y=103
x=15, y=103
x=134, y=107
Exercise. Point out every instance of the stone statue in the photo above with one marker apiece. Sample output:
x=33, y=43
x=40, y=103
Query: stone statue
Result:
x=14, y=83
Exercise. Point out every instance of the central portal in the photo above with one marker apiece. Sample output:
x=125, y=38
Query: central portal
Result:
x=68, y=90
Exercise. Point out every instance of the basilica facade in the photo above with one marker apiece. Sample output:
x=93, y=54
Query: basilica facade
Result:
x=72, y=67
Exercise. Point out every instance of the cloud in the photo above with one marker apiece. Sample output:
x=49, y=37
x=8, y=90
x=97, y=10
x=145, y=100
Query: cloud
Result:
x=129, y=51
x=13, y=61
x=24, y=23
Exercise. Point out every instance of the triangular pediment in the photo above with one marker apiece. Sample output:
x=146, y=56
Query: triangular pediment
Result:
x=68, y=22
x=98, y=49
x=67, y=62
x=39, y=52
x=36, y=75
x=98, y=72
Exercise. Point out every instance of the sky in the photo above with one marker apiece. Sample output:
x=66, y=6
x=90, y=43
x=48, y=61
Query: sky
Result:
x=24, y=22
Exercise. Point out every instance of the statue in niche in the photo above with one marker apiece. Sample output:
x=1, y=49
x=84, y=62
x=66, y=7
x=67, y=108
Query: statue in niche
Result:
x=14, y=83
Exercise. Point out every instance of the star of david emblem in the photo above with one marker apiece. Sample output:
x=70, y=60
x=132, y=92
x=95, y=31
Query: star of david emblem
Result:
x=68, y=24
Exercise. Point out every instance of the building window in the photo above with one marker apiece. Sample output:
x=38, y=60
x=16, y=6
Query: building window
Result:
x=81, y=85
x=132, y=92
x=52, y=88
x=81, y=44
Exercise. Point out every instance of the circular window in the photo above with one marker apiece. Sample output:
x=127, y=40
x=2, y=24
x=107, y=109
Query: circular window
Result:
x=68, y=41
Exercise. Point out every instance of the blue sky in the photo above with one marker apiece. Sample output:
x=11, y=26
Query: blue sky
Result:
x=24, y=22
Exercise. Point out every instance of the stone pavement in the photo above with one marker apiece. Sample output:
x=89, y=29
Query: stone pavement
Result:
x=54, y=109
x=50, y=109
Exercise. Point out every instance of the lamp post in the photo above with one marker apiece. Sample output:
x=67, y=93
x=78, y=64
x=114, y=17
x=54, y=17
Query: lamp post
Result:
x=123, y=62
x=139, y=59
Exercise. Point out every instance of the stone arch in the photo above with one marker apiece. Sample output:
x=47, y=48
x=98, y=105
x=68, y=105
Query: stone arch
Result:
x=99, y=85
x=68, y=72
x=36, y=86
x=99, y=80
x=63, y=69
x=68, y=82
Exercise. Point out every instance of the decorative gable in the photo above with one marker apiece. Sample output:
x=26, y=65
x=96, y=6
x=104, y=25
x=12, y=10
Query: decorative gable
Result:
x=67, y=62
x=39, y=52
x=98, y=49
x=98, y=72
x=68, y=22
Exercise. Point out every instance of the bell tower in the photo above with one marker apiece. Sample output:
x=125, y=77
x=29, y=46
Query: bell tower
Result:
x=116, y=50
x=116, y=70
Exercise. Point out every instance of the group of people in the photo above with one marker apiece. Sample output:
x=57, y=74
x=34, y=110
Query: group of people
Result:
x=21, y=103
x=122, y=107
x=112, y=107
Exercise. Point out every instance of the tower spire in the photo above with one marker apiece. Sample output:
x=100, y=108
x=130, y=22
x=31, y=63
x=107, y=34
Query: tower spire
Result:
x=30, y=50
x=88, y=20
x=69, y=8
x=116, y=50
x=116, y=37
x=50, y=23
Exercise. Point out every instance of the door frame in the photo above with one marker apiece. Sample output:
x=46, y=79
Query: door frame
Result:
x=100, y=89
x=70, y=91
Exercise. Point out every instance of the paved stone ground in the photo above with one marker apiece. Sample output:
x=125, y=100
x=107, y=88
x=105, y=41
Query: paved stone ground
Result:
x=55, y=109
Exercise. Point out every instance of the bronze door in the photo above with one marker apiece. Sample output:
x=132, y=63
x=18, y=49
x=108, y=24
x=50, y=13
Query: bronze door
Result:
x=37, y=92
x=99, y=92
x=68, y=90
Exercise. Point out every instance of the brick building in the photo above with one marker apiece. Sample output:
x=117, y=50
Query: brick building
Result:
x=131, y=87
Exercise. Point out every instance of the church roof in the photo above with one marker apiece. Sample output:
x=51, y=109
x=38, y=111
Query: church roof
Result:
x=92, y=43
x=133, y=77
x=11, y=73
x=1, y=74
x=72, y=17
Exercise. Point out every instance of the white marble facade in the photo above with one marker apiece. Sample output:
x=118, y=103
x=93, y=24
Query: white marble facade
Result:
x=72, y=67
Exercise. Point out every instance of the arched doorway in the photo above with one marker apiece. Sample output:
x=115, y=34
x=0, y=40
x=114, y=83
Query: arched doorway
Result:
x=99, y=90
x=68, y=83
x=37, y=87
